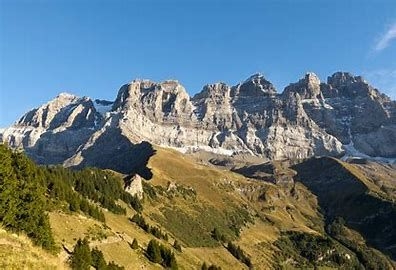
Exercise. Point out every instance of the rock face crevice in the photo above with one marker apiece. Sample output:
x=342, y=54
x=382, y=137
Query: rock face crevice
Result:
x=309, y=118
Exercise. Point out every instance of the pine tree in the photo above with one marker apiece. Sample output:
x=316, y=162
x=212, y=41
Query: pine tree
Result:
x=154, y=252
x=81, y=258
x=216, y=235
x=134, y=244
x=98, y=260
x=74, y=204
x=204, y=266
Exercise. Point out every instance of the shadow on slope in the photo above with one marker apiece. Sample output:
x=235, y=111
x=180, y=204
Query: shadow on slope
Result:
x=277, y=172
x=341, y=193
x=55, y=148
x=114, y=151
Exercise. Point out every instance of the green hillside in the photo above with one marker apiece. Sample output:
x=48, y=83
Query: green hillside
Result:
x=215, y=216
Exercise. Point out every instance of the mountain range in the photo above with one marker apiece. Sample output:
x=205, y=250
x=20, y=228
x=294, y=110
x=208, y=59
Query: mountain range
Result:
x=240, y=177
x=343, y=117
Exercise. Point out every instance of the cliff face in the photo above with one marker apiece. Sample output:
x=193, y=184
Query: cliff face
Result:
x=310, y=118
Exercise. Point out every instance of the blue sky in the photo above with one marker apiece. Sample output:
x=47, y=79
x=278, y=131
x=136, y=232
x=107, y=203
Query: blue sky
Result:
x=92, y=47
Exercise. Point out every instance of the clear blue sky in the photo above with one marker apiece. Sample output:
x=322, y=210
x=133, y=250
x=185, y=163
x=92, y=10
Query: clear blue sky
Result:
x=93, y=47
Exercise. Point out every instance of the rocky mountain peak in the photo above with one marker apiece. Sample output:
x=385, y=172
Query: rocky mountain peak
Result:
x=255, y=77
x=255, y=86
x=307, y=87
x=312, y=79
x=161, y=101
x=43, y=115
x=213, y=91
x=341, y=79
x=345, y=84
x=66, y=96
x=309, y=118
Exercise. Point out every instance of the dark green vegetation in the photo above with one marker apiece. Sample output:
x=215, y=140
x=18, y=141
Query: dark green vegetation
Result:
x=368, y=257
x=158, y=253
x=210, y=267
x=141, y=222
x=308, y=250
x=134, y=244
x=83, y=258
x=27, y=191
x=22, y=198
x=344, y=191
x=99, y=186
x=238, y=253
x=196, y=229
x=218, y=236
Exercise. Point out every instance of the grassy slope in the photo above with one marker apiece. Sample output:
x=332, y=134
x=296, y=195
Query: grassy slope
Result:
x=17, y=252
x=220, y=195
x=199, y=199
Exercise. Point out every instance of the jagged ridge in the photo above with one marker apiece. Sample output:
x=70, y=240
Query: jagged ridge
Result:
x=309, y=118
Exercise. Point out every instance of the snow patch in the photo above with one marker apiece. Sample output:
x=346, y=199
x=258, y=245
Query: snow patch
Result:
x=195, y=148
x=103, y=107
x=67, y=95
x=352, y=152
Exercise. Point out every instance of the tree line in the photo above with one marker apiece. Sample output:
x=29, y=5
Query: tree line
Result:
x=22, y=198
x=28, y=191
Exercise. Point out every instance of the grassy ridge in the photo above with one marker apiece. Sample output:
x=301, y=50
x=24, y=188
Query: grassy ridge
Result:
x=343, y=190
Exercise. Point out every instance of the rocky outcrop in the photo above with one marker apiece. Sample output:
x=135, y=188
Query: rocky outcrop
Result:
x=309, y=118
x=134, y=186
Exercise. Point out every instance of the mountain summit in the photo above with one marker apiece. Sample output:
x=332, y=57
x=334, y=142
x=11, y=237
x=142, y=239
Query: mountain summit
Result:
x=345, y=116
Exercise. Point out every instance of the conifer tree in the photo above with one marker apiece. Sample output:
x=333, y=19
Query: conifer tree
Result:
x=81, y=258
x=154, y=252
x=98, y=260
x=134, y=244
